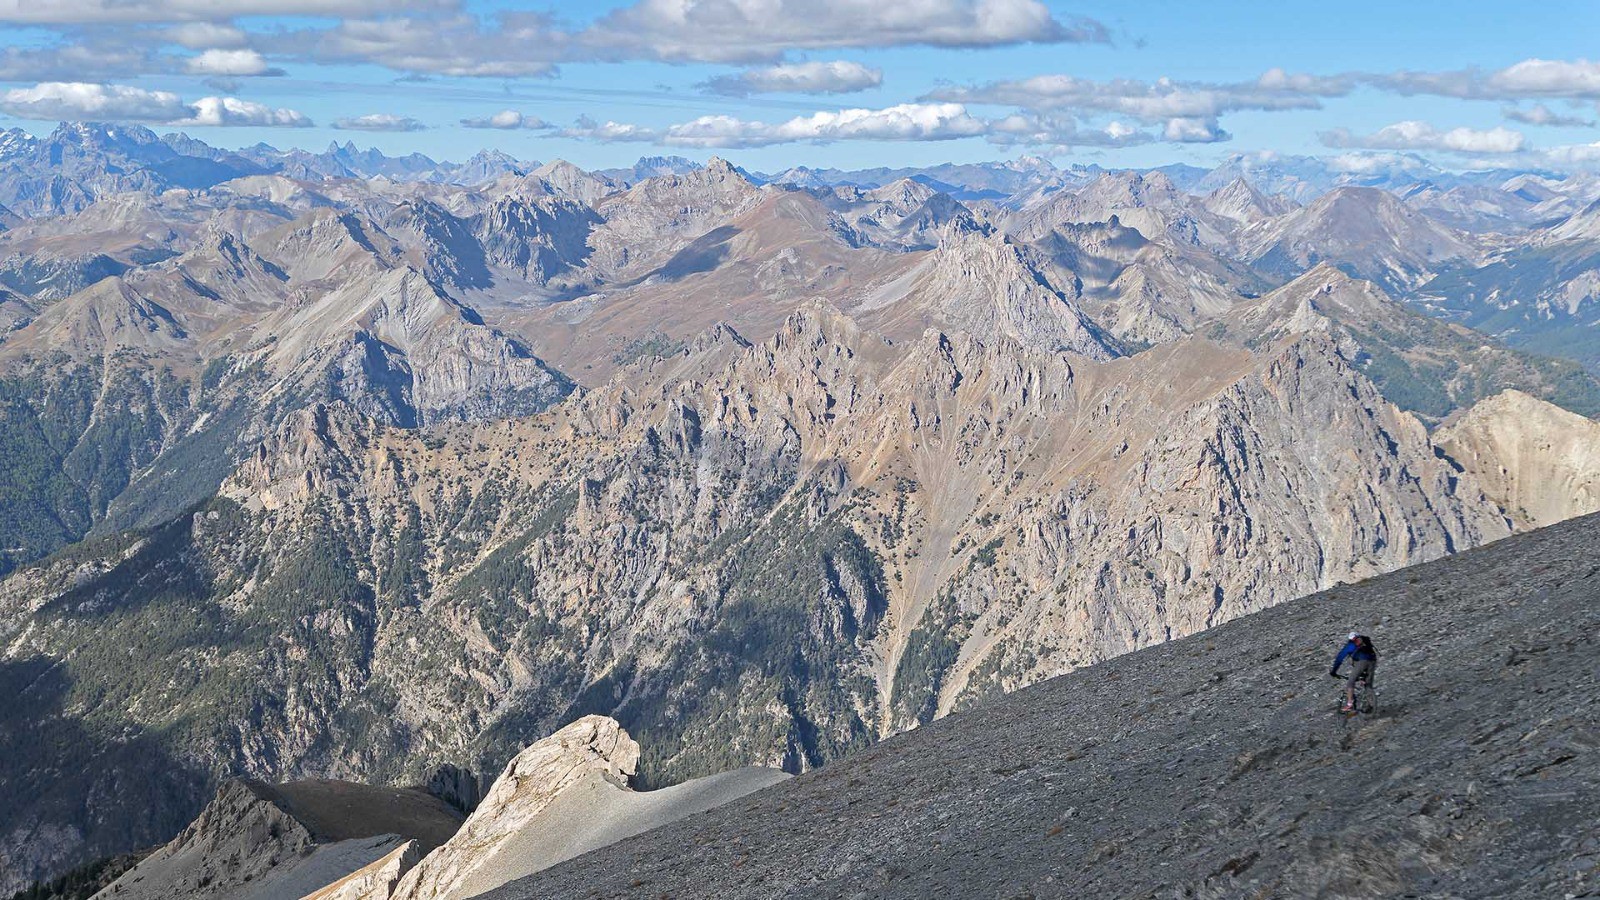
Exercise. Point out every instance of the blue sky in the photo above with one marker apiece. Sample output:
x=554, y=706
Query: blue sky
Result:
x=1463, y=84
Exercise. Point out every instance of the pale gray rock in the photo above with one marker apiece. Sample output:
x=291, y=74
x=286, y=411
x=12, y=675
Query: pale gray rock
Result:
x=1540, y=462
x=1212, y=767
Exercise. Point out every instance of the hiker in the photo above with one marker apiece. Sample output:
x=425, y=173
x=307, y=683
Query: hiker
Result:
x=1363, y=664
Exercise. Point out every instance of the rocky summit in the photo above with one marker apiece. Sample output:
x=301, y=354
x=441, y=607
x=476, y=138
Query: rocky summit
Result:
x=1216, y=766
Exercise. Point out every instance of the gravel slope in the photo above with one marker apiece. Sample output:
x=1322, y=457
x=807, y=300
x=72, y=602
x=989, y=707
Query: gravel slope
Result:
x=595, y=812
x=1213, y=766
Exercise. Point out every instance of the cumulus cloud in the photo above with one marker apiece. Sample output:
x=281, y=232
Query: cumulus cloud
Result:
x=1549, y=78
x=1414, y=135
x=833, y=77
x=512, y=45
x=1371, y=163
x=517, y=44
x=1539, y=114
x=1573, y=155
x=233, y=111
x=508, y=119
x=115, y=102
x=379, y=122
x=1529, y=79
x=1059, y=134
x=1191, y=130
x=203, y=35
x=78, y=62
x=763, y=30
x=905, y=122
x=99, y=12
x=1154, y=101
x=230, y=64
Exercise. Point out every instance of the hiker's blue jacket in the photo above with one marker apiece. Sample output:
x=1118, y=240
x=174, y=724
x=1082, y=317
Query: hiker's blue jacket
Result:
x=1351, y=651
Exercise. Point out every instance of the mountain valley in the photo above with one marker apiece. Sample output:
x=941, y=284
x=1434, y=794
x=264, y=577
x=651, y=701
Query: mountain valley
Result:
x=348, y=467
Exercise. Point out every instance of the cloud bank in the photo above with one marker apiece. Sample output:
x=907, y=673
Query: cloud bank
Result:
x=834, y=77
x=58, y=100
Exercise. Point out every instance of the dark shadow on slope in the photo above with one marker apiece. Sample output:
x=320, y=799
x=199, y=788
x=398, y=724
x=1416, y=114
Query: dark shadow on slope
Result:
x=72, y=790
x=704, y=254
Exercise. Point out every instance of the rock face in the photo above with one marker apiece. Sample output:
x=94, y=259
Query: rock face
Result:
x=981, y=285
x=1366, y=231
x=376, y=880
x=1213, y=766
x=770, y=554
x=1428, y=367
x=530, y=783
x=261, y=841
x=1150, y=203
x=345, y=478
x=1538, y=461
x=563, y=796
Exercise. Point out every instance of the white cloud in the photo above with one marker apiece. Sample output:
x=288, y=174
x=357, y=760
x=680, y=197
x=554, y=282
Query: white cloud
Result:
x=1414, y=135
x=230, y=64
x=115, y=102
x=762, y=30
x=1194, y=130
x=1531, y=78
x=513, y=45
x=1060, y=134
x=508, y=119
x=79, y=100
x=77, y=62
x=612, y=132
x=1578, y=155
x=100, y=12
x=203, y=35
x=519, y=44
x=1153, y=101
x=906, y=122
x=233, y=111
x=379, y=122
x=1539, y=114
x=832, y=77
x=1369, y=163
x=1548, y=78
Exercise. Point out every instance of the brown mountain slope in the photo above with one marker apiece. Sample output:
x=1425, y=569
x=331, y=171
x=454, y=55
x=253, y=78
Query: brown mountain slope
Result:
x=766, y=553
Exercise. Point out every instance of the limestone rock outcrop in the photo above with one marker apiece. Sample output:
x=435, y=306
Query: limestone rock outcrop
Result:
x=1213, y=767
x=1538, y=461
x=531, y=781
x=376, y=880
x=561, y=797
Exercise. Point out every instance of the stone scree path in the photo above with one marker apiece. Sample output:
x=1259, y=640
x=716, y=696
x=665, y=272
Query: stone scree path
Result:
x=1213, y=766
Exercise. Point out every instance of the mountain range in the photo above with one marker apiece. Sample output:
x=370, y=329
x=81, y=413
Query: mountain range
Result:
x=344, y=466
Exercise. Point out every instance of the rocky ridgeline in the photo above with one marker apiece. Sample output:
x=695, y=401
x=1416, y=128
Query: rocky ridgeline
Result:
x=1214, y=767
x=263, y=841
x=766, y=553
x=331, y=840
x=309, y=475
x=1538, y=461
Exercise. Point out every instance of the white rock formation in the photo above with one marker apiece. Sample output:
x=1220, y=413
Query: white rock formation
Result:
x=375, y=881
x=563, y=796
x=593, y=745
x=1540, y=462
